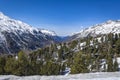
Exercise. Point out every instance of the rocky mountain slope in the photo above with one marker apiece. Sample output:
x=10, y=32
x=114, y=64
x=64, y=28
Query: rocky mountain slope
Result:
x=99, y=29
x=16, y=35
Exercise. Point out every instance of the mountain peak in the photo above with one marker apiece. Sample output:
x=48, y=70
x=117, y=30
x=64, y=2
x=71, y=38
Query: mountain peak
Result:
x=48, y=32
x=3, y=17
x=110, y=21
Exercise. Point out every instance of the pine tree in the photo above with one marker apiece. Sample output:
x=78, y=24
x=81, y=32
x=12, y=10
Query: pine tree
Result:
x=116, y=65
x=11, y=66
x=2, y=64
x=117, y=48
x=73, y=44
x=61, y=53
x=23, y=63
x=79, y=65
x=116, y=37
x=110, y=64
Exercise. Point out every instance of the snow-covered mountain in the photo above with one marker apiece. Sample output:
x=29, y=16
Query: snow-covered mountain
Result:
x=16, y=35
x=48, y=32
x=99, y=29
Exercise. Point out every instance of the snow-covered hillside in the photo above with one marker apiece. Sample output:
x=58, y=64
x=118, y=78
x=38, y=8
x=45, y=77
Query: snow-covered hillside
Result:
x=16, y=35
x=86, y=76
x=104, y=28
x=10, y=25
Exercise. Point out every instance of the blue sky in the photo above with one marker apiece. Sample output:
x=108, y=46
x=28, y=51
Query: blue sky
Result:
x=62, y=16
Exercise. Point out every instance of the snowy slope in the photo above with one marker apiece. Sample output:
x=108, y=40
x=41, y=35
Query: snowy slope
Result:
x=48, y=32
x=16, y=35
x=104, y=28
x=86, y=76
x=10, y=25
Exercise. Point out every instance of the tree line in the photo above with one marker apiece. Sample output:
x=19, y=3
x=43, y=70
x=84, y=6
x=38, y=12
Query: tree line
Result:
x=97, y=54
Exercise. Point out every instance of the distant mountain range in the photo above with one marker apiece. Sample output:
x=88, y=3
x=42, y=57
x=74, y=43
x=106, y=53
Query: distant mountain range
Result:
x=16, y=35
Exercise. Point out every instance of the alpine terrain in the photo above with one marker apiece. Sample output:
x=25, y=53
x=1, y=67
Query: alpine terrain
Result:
x=16, y=35
x=111, y=26
x=95, y=49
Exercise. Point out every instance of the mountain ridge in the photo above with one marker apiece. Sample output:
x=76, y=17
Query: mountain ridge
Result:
x=16, y=35
x=110, y=26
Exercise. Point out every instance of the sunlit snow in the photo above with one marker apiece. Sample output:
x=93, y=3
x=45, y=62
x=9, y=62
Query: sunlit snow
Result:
x=85, y=76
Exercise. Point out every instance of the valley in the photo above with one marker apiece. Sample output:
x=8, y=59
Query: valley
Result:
x=26, y=50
